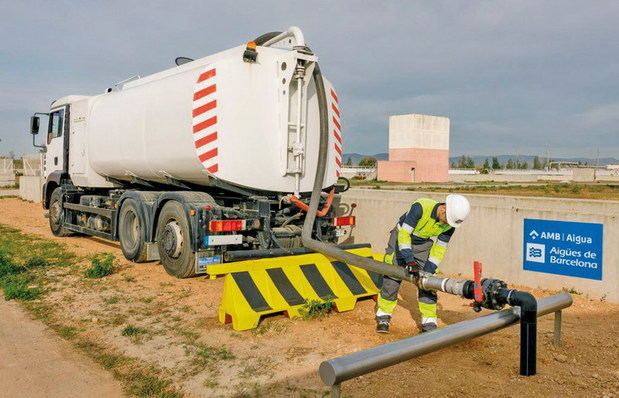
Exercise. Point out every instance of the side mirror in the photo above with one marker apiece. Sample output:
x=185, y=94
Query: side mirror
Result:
x=34, y=125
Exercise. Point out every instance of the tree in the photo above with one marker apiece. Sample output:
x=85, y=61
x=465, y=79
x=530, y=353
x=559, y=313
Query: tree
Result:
x=510, y=164
x=537, y=165
x=453, y=165
x=470, y=163
x=368, y=162
x=349, y=161
x=486, y=164
x=495, y=163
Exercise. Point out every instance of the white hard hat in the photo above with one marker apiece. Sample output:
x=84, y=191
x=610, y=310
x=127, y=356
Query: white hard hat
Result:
x=458, y=208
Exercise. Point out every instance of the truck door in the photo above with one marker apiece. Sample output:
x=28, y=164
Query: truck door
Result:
x=57, y=153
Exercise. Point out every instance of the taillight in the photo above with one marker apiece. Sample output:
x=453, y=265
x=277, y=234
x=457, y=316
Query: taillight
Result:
x=226, y=225
x=348, y=220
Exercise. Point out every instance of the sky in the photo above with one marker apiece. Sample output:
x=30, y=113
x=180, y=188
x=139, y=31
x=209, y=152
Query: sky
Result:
x=514, y=77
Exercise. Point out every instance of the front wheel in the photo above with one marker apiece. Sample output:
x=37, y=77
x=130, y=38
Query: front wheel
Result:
x=174, y=241
x=56, y=214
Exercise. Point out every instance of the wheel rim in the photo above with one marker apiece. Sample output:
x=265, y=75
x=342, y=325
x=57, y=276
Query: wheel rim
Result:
x=132, y=229
x=172, y=239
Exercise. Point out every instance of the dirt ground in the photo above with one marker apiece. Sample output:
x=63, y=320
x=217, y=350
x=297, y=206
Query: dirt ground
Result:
x=281, y=357
x=35, y=362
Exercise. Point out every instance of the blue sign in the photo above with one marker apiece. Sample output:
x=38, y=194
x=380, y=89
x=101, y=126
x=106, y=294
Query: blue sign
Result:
x=563, y=248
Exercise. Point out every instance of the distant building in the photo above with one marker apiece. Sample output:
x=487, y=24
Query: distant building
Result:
x=418, y=149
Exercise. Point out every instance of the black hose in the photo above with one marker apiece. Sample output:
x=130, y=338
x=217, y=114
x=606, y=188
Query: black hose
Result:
x=260, y=40
x=306, y=237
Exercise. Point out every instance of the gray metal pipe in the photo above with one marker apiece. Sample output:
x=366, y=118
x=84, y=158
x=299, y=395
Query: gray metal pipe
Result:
x=337, y=370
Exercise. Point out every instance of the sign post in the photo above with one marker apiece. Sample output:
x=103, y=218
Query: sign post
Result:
x=563, y=248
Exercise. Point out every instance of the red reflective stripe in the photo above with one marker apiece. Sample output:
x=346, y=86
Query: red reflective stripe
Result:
x=337, y=111
x=337, y=124
x=207, y=123
x=337, y=149
x=337, y=136
x=334, y=96
x=204, y=92
x=213, y=168
x=337, y=173
x=205, y=140
x=338, y=162
x=206, y=75
x=204, y=108
x=207, y=155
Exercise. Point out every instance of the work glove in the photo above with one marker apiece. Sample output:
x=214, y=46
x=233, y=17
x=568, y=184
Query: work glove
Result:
x=412, y=268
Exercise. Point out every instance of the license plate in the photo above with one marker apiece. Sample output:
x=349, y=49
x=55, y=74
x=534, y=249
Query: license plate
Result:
x=340, y=232
x=204, y=262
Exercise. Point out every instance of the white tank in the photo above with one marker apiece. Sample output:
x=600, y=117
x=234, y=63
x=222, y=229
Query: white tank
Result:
x=216, y=117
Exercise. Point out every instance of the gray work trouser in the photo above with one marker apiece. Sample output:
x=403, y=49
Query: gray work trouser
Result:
x=391, y=286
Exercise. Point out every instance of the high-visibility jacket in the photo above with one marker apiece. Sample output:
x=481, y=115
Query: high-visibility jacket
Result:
x=419, y=225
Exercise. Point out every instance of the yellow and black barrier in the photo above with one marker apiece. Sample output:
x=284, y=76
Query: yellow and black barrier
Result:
x=254, y=288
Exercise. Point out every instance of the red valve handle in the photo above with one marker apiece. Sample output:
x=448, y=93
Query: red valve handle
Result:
x=477, y=293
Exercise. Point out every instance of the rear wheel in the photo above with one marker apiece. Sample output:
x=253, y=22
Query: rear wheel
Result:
x=56, y=214
x=131, y=232
x=174, y=241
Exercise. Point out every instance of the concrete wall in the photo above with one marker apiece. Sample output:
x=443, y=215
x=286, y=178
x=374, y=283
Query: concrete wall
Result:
x=402, y=171
x=493, y=234
x=30, y=188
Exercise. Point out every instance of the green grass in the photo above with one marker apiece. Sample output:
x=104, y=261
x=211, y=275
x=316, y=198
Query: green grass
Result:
x=102, y=265
x=24, y=281
x=210, y=353
x=20, y=286
x=131, y=331
x=313, y=309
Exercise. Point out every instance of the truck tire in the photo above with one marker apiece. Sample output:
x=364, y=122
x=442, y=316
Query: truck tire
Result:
x=174, y=241
x=56, y=214
x=131, y=232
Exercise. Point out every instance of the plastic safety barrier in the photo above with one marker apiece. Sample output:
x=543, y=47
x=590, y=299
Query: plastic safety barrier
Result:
x=254, y=288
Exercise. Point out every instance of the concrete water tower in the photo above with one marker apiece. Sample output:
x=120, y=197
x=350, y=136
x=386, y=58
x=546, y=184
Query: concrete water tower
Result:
x=418, y=149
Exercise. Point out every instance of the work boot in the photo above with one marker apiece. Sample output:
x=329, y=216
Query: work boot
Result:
x=382, y=323
x=426, y=327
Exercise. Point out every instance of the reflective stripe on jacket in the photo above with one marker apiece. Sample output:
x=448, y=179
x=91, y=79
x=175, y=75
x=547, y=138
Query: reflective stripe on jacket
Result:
x=419, y=225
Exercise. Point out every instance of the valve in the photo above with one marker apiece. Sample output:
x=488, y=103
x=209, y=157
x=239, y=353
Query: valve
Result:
x=493, y=297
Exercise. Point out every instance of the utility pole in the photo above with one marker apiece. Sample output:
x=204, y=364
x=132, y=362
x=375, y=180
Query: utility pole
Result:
x=597, y=164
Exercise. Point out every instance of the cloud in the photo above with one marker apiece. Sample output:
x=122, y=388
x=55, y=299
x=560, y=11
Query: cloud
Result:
x=511, y=76
x=604, y=115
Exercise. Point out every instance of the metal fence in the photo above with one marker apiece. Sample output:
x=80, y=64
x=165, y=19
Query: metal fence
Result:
x=7, y=172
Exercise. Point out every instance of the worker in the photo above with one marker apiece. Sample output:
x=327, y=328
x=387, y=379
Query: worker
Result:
x=419, y=242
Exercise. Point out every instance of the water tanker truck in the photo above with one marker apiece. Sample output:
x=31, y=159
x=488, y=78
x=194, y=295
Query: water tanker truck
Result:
x=209, y=161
